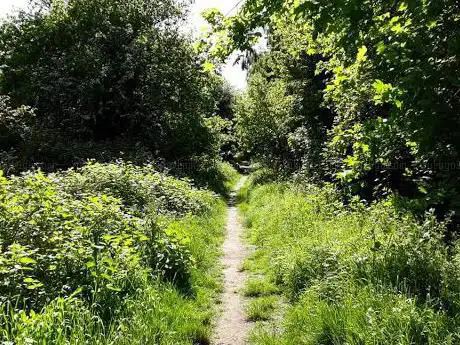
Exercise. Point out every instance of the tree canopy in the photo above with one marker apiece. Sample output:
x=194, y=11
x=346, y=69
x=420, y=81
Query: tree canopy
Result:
x=107, y=71
x=385, y=115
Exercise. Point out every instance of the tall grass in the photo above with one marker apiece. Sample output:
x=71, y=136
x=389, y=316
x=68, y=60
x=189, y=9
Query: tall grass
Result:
x=353, y=274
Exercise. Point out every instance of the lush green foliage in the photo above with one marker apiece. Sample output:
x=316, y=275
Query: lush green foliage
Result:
x=280, y=119
x=386, y=70
x=208, y=173
x=15, y=127
x=102, y=249
x=141, y=188
x=352, y=274
x=105, y=77
x=264, y=119
x=359, y=95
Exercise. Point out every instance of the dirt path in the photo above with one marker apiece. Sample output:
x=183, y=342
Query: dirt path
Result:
x=232, y=328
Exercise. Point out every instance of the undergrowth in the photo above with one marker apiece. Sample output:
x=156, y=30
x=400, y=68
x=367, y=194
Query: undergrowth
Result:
x=108, y=254
x=352, y=274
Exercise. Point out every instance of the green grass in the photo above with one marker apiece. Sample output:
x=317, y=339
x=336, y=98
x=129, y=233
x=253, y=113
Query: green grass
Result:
x=263, y=295
x=257, y=262
x=162, y=315
x=159, y=313
x=259, y=288
x=261, y=309
x=351, y=274
x=231, y=176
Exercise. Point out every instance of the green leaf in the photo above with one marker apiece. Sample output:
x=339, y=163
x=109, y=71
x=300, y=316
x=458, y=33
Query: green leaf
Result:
x=27, y=261
x=29, y=280
x=209, y=66
x=432, y=24
x=362, y=54
x=381, y=88
x=381, y=47
x=422, y=189
x=397, y=28
x=32, y=284
x=113, y=288
x=402, y=7
x=351, y=161
x=365, y=148
x=90, y=264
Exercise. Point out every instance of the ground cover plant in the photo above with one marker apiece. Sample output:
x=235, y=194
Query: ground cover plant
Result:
x=352, y=274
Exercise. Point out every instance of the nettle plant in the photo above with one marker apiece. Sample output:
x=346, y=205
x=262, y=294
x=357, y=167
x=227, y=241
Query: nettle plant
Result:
x=86, y=233
x=141, y=188
x=54, y=245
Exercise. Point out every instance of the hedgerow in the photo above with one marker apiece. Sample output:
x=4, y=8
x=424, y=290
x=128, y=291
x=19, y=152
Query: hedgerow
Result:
x=363, y=93
x=91, y=241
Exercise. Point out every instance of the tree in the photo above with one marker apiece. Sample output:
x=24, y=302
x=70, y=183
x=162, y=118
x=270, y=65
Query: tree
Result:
x=264, y=120
x=304, y=135
x=99, y=71
x=392, y=72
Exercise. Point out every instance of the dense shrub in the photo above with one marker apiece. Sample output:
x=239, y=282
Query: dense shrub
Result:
x=140, y=188
x=208, y=173
x=375, y=84
x=53, y=244
x=156, y=313
x=98, y=234
x=15, y=130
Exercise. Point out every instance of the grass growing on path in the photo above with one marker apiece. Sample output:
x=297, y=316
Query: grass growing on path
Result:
x=164, y=315
x=257, y=287
x=264, y=300
x=261, y=308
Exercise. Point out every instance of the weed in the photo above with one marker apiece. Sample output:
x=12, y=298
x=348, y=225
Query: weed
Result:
x=116, y=253
x=261, y=309
x=353, y=274
x=259, y=288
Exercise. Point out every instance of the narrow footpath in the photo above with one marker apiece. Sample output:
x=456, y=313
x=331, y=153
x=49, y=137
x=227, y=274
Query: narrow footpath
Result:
x=232, y=327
